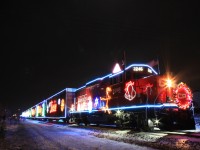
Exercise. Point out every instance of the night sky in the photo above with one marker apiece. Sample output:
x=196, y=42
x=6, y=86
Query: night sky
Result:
x=47, y=46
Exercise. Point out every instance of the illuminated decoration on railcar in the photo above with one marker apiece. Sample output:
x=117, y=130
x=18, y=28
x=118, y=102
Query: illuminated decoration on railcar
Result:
x=26, y=114
x=33, y=112
x=59, y=101
x=116, y=68
x=29, y=112
x=39, y=110
x=96, y=102
x=169, y=83
x=90, y=106
x=107, y=98
x=53, y=106
x=43, y=109
x=147, y=87
x=138, y=69
x=166, y=82
x=84, y=103
x=130, y=92
x=149, y=70
x=161, y=82
x=183, y=96
x=62, y=105
x=173, y=105
x=72, y=108
x=142, y=65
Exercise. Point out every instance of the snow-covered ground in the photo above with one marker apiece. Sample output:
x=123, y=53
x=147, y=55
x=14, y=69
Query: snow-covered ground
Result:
x=187, y=140
x=82, y=138
x=197, y=121
x=197, y=127
x=34, y=135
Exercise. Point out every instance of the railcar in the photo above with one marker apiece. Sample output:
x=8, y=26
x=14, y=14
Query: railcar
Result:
x=55, y=107
x=136, y=97
x=133, y=97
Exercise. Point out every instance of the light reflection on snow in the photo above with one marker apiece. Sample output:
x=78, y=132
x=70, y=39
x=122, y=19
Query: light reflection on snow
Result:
x=70, y=133
x=182, y=143
x=197, y=127
x=181, y=133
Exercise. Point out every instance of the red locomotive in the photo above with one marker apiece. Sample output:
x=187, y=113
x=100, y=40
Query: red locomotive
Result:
x=134, y=97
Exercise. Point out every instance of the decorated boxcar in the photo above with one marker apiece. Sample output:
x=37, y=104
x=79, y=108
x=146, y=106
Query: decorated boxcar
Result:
x=55, y=107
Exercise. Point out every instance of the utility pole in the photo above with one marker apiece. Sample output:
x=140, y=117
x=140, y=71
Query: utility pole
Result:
x=146, y=110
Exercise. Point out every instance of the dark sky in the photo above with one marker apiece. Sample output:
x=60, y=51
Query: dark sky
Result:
x=47, y=46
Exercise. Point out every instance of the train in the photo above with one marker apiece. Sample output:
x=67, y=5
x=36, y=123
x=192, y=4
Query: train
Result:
x=135, y=97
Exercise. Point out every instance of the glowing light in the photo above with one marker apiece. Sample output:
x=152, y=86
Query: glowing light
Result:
x=118, y=113
x=97, y=79
x=66, y=89
x=142, y=65
x=90, y=106
x=107, y=98
x=132, y=107
x=170, y=105
x=25, y=114
x=33, y=112
x=169, y=83
x=53, y=106
x=47, y=108
x=149, y=70
x=183, y=96
x=138, y=69
x=80, y=88
x=116, y=68
x=157, y=121
x=56, y=94
x=59, y=101
x=148, y=86
x=96, y=102
x=43, y=109
x=62, y=106
x=166, y=82
x=72, y=107
x=39, y=110
x=93, y=81
x=130, y=92
x=115, y=74
x=84, y=103
x=180, y=143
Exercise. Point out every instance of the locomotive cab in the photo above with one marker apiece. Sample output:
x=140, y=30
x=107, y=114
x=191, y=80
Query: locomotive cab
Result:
x=136, y=97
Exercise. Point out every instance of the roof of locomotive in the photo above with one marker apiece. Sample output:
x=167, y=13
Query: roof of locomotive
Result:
x=115, y=74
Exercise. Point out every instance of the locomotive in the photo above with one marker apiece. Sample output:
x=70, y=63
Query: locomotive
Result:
x=135, y=97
